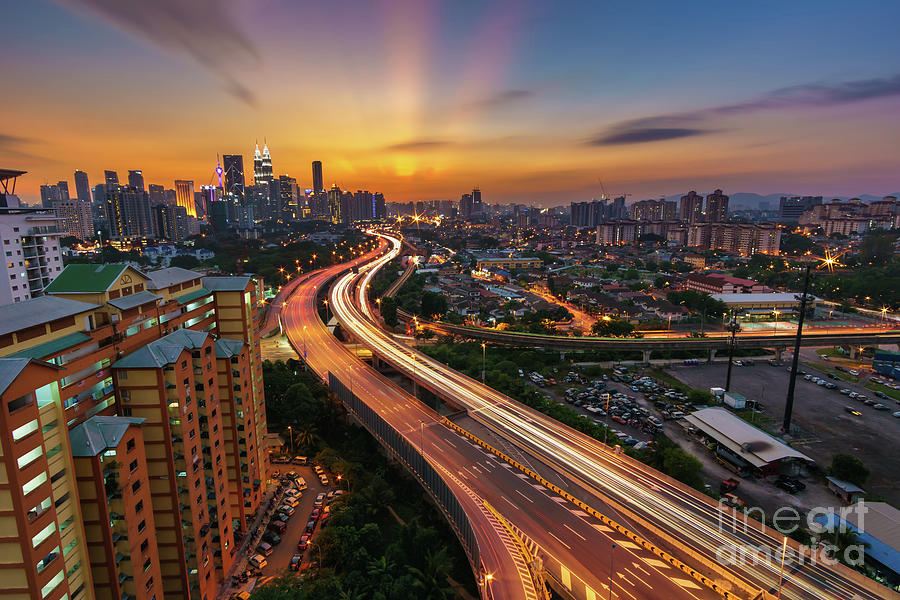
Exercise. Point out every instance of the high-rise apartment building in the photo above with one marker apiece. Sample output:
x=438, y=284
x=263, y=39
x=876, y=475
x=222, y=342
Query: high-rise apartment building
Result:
x=717, y=207
x=82, y=187
x=233, y=164
x=317, y=180
x=76, y=218
x=791, y=207
x=335, y=197
x=136, y=179
x=128, y=212
x=157, y=194
x=63, y=187
x=690, y=209
x=184, y=196
x=111, y=178
x=29, y=243
x=133, y=422
x=288, y=197
x=49, y=195
x=653, y=210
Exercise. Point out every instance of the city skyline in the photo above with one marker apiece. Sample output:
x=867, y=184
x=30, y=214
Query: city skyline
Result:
x=431, y=99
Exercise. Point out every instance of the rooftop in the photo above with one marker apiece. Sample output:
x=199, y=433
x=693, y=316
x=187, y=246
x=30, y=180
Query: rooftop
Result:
x=133, y=300
x=164, y=351
x=760, y=298
x=10, y=368
x=99, y=434
x=753, y=445
x=85, y=278
x=226, y=284
x=21, y=315
x=163, y=278
x=226, y=348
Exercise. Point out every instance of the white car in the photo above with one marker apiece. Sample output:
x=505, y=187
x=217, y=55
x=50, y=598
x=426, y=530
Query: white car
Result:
x=291, y=500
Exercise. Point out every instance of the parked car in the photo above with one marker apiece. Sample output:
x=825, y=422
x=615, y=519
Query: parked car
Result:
x=852, y=411
x=300, y=460
x=788, y=486
x=319, y=470
x=295, y=562
x=846, y=392
x=310, y=526
x=315, y=514
x=303, y=544
x=258, y=561
x=323, y=479
x=277, y=526
x=271, y=538
x=881, y=395
x=880, y=406
x=320, y=500
x=794, y=480
x=265, y=549
x=291, y=501
x=287, y=509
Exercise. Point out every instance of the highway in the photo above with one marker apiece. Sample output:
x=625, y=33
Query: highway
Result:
x=574, y=538
x=692, y=522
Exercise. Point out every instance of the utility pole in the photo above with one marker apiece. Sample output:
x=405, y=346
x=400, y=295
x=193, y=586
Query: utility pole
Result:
x=733, y=326
x=789, y=403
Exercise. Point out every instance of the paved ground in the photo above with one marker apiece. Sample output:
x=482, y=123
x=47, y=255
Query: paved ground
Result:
x=277, y=348
x=825, y=427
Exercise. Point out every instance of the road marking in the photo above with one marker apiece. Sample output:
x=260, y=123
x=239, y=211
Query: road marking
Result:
x=450, y=443
x=530, y=500
x=522, y=476
x=685, y=583
x=657, y=564
x=633, y=574
x=580, y=513
x=538, y=486
x=559, y=500
x=602, y=528
x=629, y=545
x=560, y=541
x=575, y=532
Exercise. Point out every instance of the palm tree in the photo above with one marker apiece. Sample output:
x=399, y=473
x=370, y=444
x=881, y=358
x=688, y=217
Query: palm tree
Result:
x=432, y=579
x=306, y=438
x=843, y=538
x=381, y=573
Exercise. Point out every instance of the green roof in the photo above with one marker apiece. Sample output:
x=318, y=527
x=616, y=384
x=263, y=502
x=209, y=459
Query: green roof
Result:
x=192, y=296
x=52, y=347
x=99, y=434
x=85, y=279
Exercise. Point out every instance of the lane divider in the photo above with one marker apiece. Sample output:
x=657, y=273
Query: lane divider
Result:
x=523, y=550
x=662, y=554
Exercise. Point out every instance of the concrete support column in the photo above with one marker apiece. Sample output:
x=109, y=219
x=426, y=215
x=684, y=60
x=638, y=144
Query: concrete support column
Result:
x=712, y=355
x=778, y=352
x=646, y=356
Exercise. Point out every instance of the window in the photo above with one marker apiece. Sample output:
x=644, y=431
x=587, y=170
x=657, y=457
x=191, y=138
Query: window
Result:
x=43, y=534
x=145, y=545
x=133, y=466
x=29, y=457
x=19, y=432
x=61, y=500
x=139, y=506
x=20, y=402
x=147, y=567
x=129, y=445
x=51, y=585
x=142, y=526
x=34, y=483
x=135, y=486
x=57, y=476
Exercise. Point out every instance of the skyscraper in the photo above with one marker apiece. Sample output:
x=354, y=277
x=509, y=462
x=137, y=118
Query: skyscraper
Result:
x=287, y=197
x=82, y=187
x=157, y=194
x=318, y=185
x=262, y=166
x=691, y=207
x=112, y=178
x=233, y=186
x=136, y=179
x=128, y=212
x=334, y=204
x=267, y=172
x=184, y=196
x=716, y=207
x=49, y=195
x=63, y=190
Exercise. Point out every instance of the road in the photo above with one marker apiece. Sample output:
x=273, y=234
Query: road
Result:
x=686, y=518
x=577, y=540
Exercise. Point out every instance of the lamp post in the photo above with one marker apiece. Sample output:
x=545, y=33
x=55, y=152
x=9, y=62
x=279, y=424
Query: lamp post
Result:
x=611, y=554
x=781, y=575
x=483, y=359
x=291, y=438
x=733, y=326
x=776, y=321
x=789, y=403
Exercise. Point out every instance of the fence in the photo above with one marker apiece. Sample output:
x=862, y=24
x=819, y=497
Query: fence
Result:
x=412, y=457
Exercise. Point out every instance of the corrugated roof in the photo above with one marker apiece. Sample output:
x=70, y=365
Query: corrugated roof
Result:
x=54, y=347
x=163, y=278
x=99, y=434
x=760, y=298
x=226, y=348
x=881, y=521
x=20, y=315
x=192, y=296
x=753, y=445
x=133, y=300
x=85, y=279
x=164, y=351
x=226, y=284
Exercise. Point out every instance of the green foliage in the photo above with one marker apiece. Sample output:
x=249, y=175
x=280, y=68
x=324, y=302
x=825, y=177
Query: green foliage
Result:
x=698, y=302
x=848, y=468
x=389, y=311
x=877, y=249
x=433, y=304
x=797, y=244
x=614, y=328
x=185, y=261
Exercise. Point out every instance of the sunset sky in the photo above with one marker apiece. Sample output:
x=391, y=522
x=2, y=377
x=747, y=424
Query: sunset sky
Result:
x=533, y=101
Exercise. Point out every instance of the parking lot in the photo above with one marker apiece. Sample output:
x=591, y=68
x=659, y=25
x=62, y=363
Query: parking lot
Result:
x=282, y=552
x=826, y=427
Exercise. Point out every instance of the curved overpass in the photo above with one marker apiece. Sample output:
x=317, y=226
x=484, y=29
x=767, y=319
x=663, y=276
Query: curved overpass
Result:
x=701, y=530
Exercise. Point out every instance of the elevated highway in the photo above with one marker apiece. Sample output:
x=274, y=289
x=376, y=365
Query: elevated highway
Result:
x=575, y=545
x=703, y=533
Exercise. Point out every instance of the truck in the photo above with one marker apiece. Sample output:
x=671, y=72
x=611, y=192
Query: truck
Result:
x=735, y=401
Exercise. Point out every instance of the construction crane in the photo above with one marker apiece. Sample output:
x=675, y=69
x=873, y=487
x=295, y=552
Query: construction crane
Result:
x=605, y=195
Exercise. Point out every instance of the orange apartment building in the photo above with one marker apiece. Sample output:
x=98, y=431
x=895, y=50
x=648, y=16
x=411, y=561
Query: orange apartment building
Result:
x=87, y=351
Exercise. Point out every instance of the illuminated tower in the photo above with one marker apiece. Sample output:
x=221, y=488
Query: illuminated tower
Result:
x=266, y=165
x=234, y=177
x=184, y=196
x=318, y=185
x=258, y=176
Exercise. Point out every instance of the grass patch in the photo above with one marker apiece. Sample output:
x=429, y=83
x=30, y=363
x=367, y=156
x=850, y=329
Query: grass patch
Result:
x=829, y=369
x=877, y=387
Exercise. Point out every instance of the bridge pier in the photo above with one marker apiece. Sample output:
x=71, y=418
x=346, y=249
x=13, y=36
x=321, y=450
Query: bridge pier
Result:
x=646, y=356
x=779, y=350
x=712, y=356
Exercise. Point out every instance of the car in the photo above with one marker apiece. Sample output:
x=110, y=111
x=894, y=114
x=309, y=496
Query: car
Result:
x=852, y=411
x=794, y=480
x=853, y=372
x=292, y=475
x=881, y=395
x=897, y=414
x=831, y=376
x=320, y=500
x=310, y=526
x=301, y=483
x=280, y=460
x=788, y=486
x=867, y=401
x=280, y=516
x=271, y=538
x=846, y=392
x=319, y=470
x=291, y=501
x=880, y=406
x=277, y=527
x=323, y=480
x=830, y=385
x=276, y=474
x=258, y=561
x=242, y=595
x=265, y=549
x=295, y=562
x=299, y=460
x=303, y=544
x=315, y=514
x=286, y=509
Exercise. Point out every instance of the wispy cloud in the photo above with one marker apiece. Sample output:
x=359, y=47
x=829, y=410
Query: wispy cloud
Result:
x=205, y=31
x=421, y=144
x=11, y=142
x=501, y=99
x=698, y=122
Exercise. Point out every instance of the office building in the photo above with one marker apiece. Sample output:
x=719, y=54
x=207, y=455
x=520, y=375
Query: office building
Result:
x=184, y=196
x=29, y=243
x=135, y=420
x=127, y=212
x=156, y=194
x=318, y=182
x=82, y=187
x=335, y=202
x=49, y=195
x=288, y=197
x=262, y=165
x=111, y=178
x=233, y=164
x=690, y=209
x=717, y=207
x=136, y=179
x=75, y=218
x=790, y=208
x=465, y=206
x=63, y=187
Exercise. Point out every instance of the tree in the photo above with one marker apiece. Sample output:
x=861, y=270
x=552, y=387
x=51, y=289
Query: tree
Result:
x=848, y=468
x=613, y=328
x=185, y=261
x=660, y=282
x=433, y=304
x=877, y=249
x=389, y=311
x=682, y=466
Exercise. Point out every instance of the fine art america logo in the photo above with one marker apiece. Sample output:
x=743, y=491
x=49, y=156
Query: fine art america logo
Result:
x=835, y=537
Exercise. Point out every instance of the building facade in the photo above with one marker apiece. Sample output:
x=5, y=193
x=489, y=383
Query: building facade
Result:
x=29, y=243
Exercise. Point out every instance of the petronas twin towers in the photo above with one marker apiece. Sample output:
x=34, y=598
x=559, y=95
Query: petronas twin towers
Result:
x=262, y=165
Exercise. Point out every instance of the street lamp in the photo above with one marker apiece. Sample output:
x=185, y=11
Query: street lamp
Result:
x=611, y=554
x=781, y=576
x=776, y=320
x=291, y=438
x=483, y=359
